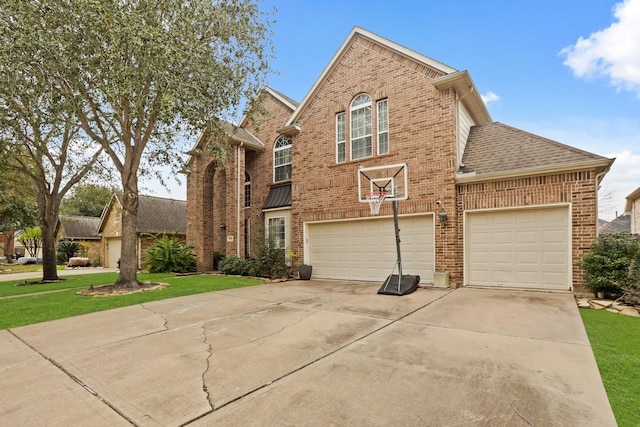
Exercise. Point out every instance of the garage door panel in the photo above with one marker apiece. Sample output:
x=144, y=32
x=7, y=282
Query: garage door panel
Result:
x=536, y=239
x=366, y=249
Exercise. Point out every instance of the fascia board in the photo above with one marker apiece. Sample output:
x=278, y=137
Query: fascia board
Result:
x=467, y=178
x=464, y=86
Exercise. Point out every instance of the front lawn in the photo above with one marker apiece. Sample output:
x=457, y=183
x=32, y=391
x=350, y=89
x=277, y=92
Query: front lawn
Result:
x=615, y=340
x=40, y=303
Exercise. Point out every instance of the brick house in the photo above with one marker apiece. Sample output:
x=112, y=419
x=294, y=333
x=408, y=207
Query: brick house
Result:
x=83, y=230
x=632, y=209
x=155, y=216
x=520, y=210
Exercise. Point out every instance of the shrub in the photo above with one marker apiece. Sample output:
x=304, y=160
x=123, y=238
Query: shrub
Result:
x=238, y=266
x=272, y=261
x=608, y=265
x=170, y=255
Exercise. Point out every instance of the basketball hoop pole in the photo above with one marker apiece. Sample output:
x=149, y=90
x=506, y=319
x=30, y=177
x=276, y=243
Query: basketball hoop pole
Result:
x=397, y=229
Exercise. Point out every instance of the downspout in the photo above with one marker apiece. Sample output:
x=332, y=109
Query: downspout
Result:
x=238, y=201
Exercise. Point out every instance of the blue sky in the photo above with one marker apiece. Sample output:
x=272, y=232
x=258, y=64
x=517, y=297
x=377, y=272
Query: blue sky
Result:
x=565, y=70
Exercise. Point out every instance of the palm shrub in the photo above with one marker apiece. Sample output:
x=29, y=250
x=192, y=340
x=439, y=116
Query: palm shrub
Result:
x=67, y=250
x=169, y=255
x=609, y=266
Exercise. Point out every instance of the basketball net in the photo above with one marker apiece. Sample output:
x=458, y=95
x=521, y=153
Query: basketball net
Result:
x=375, y=199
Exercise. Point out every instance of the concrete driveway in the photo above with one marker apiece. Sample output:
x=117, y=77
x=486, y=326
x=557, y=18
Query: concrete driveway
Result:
x=316, y=353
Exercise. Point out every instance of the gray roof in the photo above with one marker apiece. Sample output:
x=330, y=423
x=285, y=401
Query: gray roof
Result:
x=497, y=148
x=621, y=223
x=158, y=215
x=79, y=227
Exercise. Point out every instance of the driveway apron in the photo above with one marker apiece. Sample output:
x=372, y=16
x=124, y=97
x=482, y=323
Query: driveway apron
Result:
x=310, y=353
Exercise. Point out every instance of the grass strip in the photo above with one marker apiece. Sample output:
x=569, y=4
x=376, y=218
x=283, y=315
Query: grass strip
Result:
x=42, y=307
x=615, y=340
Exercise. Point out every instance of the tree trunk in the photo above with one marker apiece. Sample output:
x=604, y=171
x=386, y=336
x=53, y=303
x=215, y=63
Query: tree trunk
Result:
x=9, y=235
x=48, y=207
x=128, y=258
x=49, y=259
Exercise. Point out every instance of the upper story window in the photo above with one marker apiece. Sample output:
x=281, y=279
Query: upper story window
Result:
x=359, y=119
x=282, y=159
x=247, y=190
x=383, y=126
x=341, y=137
x=361, y=127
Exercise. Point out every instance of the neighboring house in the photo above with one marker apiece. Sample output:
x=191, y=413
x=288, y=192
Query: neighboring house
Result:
x=83, y=230
x=155, y=216
x=632, y=208
x=520, y=209
x=617, y=225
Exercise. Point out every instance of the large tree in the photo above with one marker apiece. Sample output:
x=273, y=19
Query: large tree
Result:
x=142, y=71
x=17, y=210
x=40, y=134
x=87, y=200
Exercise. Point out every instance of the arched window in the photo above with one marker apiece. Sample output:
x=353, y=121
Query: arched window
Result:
x=360, y=113
x=247, y=190
x=282, y=159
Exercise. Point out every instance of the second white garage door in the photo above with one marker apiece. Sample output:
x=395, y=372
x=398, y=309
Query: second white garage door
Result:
x=366, y=249
x=524, y=248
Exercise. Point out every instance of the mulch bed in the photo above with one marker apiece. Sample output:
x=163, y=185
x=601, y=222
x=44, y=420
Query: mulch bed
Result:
x=113, y=290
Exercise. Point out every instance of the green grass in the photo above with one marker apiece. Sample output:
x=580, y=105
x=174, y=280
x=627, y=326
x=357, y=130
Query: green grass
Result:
x=615, y=340
x=14, y=267
x=42, y=305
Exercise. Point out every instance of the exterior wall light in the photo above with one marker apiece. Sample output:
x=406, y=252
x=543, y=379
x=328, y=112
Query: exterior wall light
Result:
x=443, y=216
x=223, y=227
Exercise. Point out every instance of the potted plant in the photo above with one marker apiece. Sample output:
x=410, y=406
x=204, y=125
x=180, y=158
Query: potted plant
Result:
x=304, y=271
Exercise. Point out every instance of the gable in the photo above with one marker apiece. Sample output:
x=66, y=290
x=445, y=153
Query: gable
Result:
x=370, y=43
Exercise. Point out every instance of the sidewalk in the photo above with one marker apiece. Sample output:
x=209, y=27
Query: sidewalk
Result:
x=66, y=272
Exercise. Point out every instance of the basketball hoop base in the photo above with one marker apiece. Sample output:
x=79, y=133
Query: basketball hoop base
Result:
x=399, y=285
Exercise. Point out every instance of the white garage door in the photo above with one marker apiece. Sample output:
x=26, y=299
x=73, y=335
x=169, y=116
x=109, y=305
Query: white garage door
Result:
x=366, y=249
x=114, y=246
x=524, y=248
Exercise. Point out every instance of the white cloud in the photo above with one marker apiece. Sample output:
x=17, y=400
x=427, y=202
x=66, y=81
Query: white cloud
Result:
x=622, y=180
x=613, y=52
x=490, y=97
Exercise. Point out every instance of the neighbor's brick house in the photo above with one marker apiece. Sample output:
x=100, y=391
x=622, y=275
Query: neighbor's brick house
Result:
x=521, y=209
x=156, y=215
x=632, y=208
x=82, y=230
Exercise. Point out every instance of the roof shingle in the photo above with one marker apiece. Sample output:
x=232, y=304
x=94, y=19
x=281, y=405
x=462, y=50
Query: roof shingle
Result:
x=498, y=148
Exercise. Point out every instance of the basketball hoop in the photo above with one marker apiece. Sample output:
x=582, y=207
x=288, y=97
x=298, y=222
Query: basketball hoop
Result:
x=375, y=199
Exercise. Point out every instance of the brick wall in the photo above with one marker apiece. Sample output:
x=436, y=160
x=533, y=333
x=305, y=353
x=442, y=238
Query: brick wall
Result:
x=421, y=133
x=575, y=188
x=212, y=195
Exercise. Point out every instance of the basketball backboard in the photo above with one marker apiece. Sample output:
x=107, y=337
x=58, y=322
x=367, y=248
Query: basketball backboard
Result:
x=389, y=179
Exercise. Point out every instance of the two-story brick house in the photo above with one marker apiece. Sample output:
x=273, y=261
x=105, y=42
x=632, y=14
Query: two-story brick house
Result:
x=520, y=210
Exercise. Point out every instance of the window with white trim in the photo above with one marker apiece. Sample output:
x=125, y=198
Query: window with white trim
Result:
x=360, y=112
x=247, y=190
x=383, y=126
x=282, y=159
x=341, y=137
x=276, y=232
